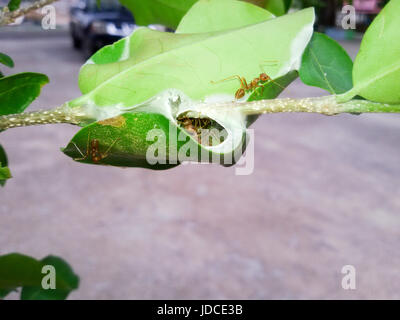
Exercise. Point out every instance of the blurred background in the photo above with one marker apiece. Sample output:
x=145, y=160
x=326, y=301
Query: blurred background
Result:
x=324, y=192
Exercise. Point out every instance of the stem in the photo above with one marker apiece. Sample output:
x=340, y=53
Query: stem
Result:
x=61, y=114
x=327, y=105
x=7, y=16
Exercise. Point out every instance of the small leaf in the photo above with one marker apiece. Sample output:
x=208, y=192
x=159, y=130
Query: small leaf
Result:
x=376, y=71
x=13, y=4
x=278, y=7
x=19, y=90
x=17, y=270
x=6, y=60
x=274, y=87
x=325, y=64
x=271, y=90
x=4, y=175
x=4, y=170
x=166, y=12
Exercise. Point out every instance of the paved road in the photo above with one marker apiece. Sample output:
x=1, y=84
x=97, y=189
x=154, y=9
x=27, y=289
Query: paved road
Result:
x=324, y=193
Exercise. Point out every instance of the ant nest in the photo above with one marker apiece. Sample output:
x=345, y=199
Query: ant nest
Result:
x=205, y=131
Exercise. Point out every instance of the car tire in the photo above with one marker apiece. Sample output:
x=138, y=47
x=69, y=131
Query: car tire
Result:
x=88, y=48
x=76, y=43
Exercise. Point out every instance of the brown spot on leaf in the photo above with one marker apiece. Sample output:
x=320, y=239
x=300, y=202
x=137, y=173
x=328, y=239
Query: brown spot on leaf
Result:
x=118, y=122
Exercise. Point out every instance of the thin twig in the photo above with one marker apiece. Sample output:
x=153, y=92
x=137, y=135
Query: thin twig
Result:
x=7, y=16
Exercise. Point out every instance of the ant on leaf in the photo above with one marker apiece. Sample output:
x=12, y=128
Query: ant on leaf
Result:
x=93, y=151
x=245, y=87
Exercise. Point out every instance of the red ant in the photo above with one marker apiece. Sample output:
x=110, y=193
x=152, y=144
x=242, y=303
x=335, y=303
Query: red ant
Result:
x=244, y=87
x=93, y=151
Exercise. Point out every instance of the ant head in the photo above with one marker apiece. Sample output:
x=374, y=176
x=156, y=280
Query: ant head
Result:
x=264, y=77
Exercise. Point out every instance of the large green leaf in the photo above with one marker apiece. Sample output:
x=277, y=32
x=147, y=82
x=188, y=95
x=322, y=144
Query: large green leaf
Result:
x=6, y=60
x=143, y=72
x=200, y=60
x=17, y=270
x=326, y=65
x=4, y=170
x=146, y=43
x=166, y=12
x=19, y=90
x=376, y=71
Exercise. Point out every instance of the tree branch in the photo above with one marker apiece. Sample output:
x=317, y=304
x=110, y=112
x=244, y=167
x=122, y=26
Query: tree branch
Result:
x=7, y=16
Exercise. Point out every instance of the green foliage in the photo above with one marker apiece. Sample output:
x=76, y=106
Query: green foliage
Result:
x=4, y=170
x=136, y=69
x=166, y=12
x=17, y=270
x=376, y=69
x=13, y=4
x=278, y=7
x=326, y=65
x=19, y=90
x=6, y=60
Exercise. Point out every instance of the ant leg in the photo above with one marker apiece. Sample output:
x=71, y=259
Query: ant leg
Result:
x=242, y=80
x=79, y=150
x=84, y=156
x=276, y=83
x=269, y=63
x=106, y=153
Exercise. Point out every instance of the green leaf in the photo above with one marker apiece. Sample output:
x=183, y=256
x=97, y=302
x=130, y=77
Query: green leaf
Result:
x=6, y=60
x=239, y=14
x=326, y=65
x=19, y=90
x=376, y=71
x=125, y=138
x=278, y=7
x=5, y=292
x=166, y=12
x=13, y=4
x=4, y=170
x=17, y=270
x=273, y=88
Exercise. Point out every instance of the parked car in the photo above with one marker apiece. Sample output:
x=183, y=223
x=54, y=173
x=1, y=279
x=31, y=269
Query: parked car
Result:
x=93, y=26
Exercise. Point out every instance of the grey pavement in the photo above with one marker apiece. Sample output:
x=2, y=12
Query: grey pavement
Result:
x=325, y=193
